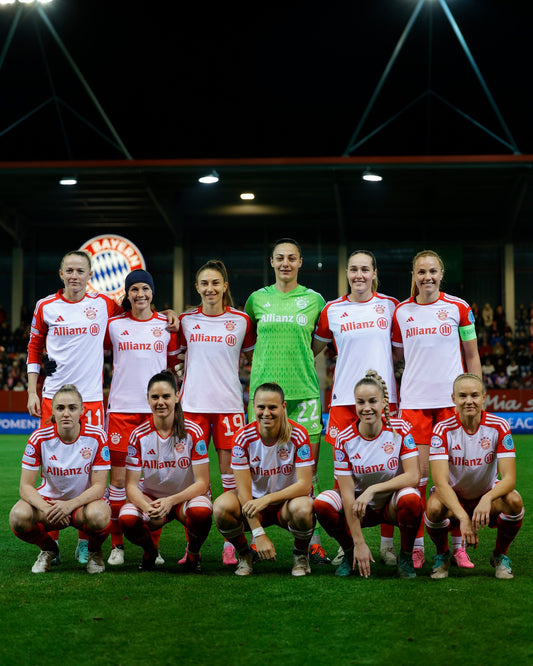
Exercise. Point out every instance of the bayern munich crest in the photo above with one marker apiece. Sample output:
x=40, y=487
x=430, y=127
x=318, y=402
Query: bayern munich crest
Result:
x=113, y=257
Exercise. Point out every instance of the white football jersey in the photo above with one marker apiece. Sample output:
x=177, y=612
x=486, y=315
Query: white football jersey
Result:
x=429, y=334
x=213, y=344
x=472, y=459
x=273, y=467
x=141, y=349
x=361, y=333
x=372, y=461
x=166, y=464
x=66, y=466
x=73, y=335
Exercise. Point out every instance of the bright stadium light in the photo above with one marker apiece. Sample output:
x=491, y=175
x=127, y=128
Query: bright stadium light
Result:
x=247, y=196
x=68, y=181
x=371, y=177
x=24, y=2
x=209, y=178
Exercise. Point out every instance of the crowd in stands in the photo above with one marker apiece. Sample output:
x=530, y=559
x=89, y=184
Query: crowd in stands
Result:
x=506, y=355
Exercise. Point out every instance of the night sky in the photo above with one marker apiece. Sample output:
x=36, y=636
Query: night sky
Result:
x=262, y=79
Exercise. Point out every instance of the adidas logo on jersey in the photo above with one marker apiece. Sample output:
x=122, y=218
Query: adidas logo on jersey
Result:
x=197, y=327
x=53, y=457
x=151, y=452
x=410, y=319
x=60, y=318
x=256, y=459
x=267, y=305
x=344, y=314
x=357, y=456
x=457, y=447
x=124, y=333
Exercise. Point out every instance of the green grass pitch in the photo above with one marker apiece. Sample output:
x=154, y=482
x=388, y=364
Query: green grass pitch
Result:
x=124, y=617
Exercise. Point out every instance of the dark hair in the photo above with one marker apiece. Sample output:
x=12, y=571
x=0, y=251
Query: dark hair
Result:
x=285, y=430
x=280, y=241
x=374, y=286
x=179, y=419
x=218, y=266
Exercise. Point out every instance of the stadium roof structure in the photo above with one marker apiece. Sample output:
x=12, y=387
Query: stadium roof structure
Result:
x=462, y=198
x=457, y=197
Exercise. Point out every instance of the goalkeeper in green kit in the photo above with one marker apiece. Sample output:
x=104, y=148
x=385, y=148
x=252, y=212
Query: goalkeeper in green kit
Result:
x=285, y=315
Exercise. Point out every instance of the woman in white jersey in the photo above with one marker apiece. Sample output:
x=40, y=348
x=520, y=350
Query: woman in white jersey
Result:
x=285, y=315
x=70, y=325
x=468, y=453
x=141, y=346
x=73, y=459
x=376, y=470
x=169, y=452
x=433, y=331
x=360, y=326
x=273, y=465
x=213, y=336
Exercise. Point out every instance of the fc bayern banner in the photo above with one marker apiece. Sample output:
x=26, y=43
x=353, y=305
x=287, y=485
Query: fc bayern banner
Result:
x=113, y=257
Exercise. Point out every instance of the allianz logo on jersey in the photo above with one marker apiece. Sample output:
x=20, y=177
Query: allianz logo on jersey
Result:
x=93, y=329
x=300, y=319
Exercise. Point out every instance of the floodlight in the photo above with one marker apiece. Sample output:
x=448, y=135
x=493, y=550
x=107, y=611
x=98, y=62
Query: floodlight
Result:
x=371, y=176
x=209, y=178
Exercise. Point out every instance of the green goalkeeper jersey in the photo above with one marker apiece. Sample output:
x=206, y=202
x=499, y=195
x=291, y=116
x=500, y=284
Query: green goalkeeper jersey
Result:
x=285, y=325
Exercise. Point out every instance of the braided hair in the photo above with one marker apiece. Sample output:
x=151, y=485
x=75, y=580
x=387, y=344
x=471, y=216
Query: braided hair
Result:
x=372, y=378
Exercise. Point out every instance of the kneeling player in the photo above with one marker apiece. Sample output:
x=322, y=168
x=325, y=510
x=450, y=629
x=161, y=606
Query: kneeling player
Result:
x=74, y=461
x=467, y=452
x=171, y=455
x=272, y=462
x=376, y=469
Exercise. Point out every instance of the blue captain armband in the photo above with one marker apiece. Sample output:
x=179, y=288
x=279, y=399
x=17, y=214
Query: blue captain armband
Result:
x=467, y=332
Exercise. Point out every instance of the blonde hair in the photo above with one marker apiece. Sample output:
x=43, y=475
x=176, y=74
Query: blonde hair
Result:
x=66, y=388
x=372, y=378
x=285, y=430
x=374, y=286
x=77, y=253
x=420, y=255
x=470, y=375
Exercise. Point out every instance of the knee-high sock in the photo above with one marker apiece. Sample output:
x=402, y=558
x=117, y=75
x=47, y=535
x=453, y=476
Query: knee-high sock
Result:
x=136, y=530
x=38, y=536
x=409, y=506
x=328, y=509
x=95, y=537
x=198, y=519
x=237, y=538
x=117, y=499
x=438, y=533
x=507, y=528
x=422, y=487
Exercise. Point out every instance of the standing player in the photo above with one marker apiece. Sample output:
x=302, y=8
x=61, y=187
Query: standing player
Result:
x=430, y=329
x=213, y=336
x=272, y=461
x=376, y=469
x=285, y=315
x=171, y=454
x=142, y=346
x=70, y=325
x=360, y=326
x=73, y=459
x=467, y=452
